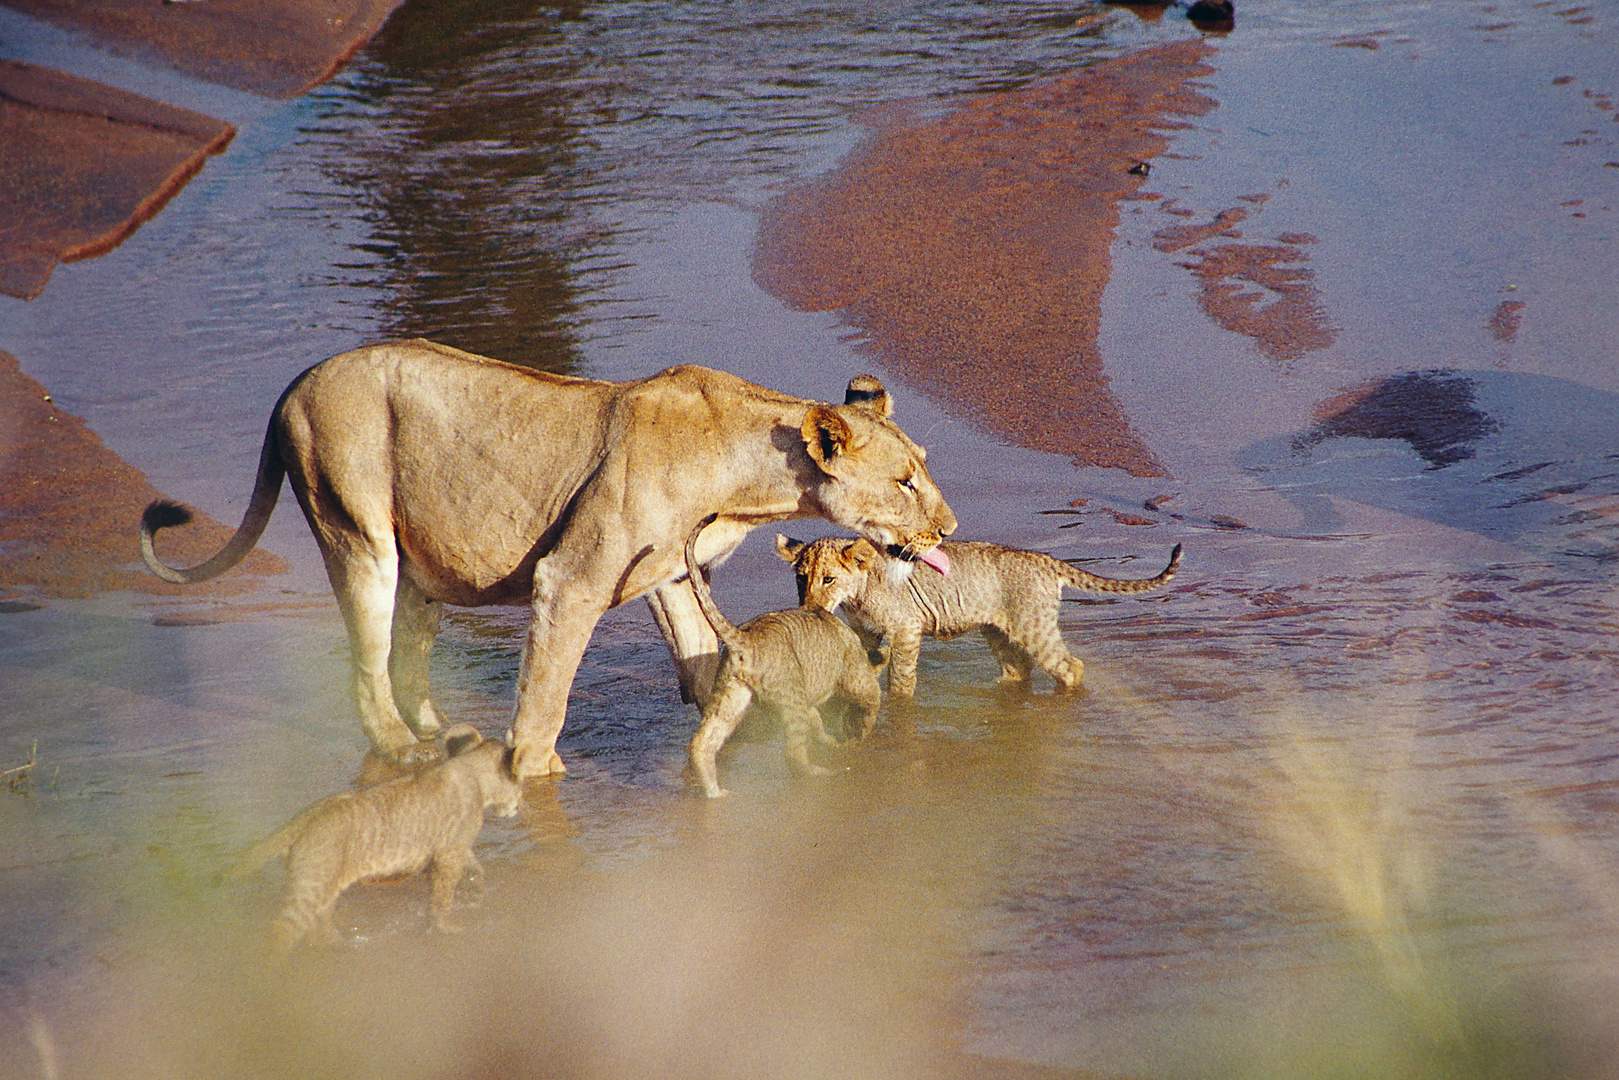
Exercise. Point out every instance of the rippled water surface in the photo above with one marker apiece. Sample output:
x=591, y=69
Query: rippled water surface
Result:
x=1339, y=801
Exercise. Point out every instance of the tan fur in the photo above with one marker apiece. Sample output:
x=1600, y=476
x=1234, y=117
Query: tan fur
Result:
x=428, y=818
x=1010, y=596
x=432, y=476
x=791, y=662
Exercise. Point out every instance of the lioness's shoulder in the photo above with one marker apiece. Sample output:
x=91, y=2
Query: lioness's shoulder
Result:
x=711, y=383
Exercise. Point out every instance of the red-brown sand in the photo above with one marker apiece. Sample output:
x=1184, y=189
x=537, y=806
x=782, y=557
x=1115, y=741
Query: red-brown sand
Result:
x=70, y=508
x=82, y=165
x=972, y=248
x=278, y=48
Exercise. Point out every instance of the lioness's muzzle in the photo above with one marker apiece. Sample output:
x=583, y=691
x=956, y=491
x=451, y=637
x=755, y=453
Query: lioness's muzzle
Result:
x=933, y=557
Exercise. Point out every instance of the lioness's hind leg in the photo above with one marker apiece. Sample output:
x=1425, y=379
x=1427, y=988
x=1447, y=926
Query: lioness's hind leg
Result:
x=415, y=624
x=365, y=584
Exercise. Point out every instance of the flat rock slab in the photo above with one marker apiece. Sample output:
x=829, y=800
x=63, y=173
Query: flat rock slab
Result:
x=82, y=165
x=70, y=509
x=278, y=48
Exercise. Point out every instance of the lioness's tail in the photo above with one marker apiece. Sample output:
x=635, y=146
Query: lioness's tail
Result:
x=266, y=489
x=1081, y=579
x=723, y=627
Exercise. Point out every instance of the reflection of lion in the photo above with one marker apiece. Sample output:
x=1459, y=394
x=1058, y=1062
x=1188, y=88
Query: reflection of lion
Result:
x=434, y=476
x=791, y=662
x=1008, y=595
x=430, y=816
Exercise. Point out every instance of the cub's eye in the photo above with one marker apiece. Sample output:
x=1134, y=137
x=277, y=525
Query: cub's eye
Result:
x=907, y=484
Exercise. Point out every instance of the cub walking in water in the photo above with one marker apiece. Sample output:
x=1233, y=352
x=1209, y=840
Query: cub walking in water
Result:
x=1010, y=596
x=792, y=662
x=400, y=826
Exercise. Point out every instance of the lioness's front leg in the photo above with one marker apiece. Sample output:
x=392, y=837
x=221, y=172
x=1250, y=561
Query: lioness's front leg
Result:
x=416, y=621
x=692, y=643
x=565, y=611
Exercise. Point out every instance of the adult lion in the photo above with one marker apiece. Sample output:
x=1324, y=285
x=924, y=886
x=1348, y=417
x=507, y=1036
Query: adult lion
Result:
x=431, y=476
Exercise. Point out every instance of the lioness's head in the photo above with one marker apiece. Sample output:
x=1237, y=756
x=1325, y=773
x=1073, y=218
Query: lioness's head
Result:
x=873, y=479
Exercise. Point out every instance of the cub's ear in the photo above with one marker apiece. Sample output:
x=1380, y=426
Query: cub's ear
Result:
x=828, y=437
x=460, y=738
x=788, y=548
x=866, y=390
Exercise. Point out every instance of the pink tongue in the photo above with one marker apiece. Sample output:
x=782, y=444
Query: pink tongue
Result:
x=936, y=558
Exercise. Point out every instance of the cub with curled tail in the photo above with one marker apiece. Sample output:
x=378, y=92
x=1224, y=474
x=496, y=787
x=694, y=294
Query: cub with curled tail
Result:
x=1009, y=596
x=792, y=662
x=429, y=817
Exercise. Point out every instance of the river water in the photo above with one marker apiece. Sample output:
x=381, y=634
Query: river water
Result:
x=1339, y=801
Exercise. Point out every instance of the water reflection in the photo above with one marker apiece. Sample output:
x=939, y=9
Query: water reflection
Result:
x=1525, y=459
x=462, y=159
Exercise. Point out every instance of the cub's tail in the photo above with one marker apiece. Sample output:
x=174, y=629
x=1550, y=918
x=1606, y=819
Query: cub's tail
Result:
x=723, y=627
x=273, y=846
x=1081, y=579
x=266, y=490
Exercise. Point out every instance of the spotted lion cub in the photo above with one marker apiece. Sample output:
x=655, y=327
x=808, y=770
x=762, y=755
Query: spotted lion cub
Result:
x=792, y=662
x=428, y=817
x=1010, y=596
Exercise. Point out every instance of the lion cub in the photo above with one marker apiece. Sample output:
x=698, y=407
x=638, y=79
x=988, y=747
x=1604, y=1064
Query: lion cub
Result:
x=1010, y=596
x=399, y=826
x=792, y=662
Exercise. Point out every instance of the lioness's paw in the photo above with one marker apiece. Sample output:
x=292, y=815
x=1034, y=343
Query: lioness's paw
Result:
x=535, y=766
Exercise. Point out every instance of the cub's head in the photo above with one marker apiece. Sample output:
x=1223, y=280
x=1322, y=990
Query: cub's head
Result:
x=871, y=478
x=490, y=763
x=831, y=570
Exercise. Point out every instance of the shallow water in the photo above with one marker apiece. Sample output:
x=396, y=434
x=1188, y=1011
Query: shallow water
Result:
x=1341, y=797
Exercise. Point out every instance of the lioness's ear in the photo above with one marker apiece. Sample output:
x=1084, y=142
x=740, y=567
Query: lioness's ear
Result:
x=866, y=390
x=788, y=548
x=461, y=738
x=827, y=436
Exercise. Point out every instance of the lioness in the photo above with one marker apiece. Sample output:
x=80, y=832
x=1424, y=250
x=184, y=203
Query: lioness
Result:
x=432, y=476
x=429, y=816
x=792, y=662
x=1010, y=596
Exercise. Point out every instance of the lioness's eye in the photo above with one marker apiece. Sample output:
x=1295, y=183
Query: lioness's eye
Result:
x=827, y=580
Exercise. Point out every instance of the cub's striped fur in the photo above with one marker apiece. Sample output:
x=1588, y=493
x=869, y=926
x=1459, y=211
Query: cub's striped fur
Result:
x=428, y=817
x=792, y=662
x=1010, y=596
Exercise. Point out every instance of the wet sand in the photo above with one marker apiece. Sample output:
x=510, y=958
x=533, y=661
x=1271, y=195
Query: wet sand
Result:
x=69, y=509
x=82, y=165
x=279, y=49
x=972, y=248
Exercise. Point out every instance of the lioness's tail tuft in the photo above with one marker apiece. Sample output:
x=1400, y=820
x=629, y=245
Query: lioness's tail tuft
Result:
x=164, y=514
